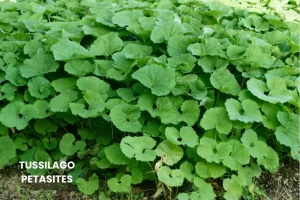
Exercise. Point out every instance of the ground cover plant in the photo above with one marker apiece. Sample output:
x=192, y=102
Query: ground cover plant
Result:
x=183, y=94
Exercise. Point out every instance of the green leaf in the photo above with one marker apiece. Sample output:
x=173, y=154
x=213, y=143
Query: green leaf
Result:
x=210, y=63
x=133, y=51
x=139, y=148
x=125, y=117
x=159, y=79
x=212, y=151
x=79, y=68
x=178, y=44
x=164, y=30
x=269, y=161
x=95, y=105
x=65, y=50
x=60, y=103
x=274, y=91
x=172, y=178
x=50, y=143
x=238, y=156
x=38, y=65
x=68, y=146
x=256, y=148
x=127, y=17
x=187, y=168
x=247, y=111
x=186, y=136
x=207, y=170
x=216, y=118
x=39, y=87
x=170, y=153
x=7, y=150
x=184, y=62
x=233, y=189
x=17, y=114
x=7, y=91
x=106, y=45
x=115, y=155
x=13, y=75
x=235, y=51
x=120, y=185
x=211, y=47
x=224, y=81
x=288, y=133
x=90, y=186
x=63, y=84
x=43, y=126
x=95, y=85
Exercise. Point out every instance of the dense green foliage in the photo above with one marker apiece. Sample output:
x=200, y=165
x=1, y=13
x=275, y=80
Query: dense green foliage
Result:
x=172, y=92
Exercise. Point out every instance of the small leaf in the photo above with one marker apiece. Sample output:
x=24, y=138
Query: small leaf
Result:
x=90, y=186
x=120, y=185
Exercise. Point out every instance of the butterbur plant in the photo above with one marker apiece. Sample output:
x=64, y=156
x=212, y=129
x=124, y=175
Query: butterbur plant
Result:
x=176, y=93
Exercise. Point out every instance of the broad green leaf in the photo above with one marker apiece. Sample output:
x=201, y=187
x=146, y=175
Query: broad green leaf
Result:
x=90, y=186
x=106, y=45
x=39, y=87
x=235, y=51
x=120, y=185
x=170, y=153
x=133, y=51
x=158, y=78
x=60, y=103
x=288, y=133
x=216, y=118
x=38, y=65
x=233, y=188
x=172, y=178
x=186, y=136
x=139, y=148
x=68, y=146
x=13, y=75
x=17, y=114
x=269, y=161
x=224, y=81
x=43, y=126
x=93, y=84
x=247, y=111
x=7, y=150
x=127, y=17
x=65, y=50
x=184, y=62
x=63, y=84
x=125, y=117
x=256, y=148
x=79, y=68
x=238, y=156
x=210, y=47
x=92, y=107
x=115, y=155
x=178, y=44
x=210, y=63
x=188, y=168
x=164, y=30
x=274, y=91
x=7, y=91
x=207, y=170
x=212, y=151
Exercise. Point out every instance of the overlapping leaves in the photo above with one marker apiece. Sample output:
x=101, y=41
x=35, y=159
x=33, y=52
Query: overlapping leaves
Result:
x=182, y=91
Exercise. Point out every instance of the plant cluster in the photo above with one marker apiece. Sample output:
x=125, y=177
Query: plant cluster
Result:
x=171, y=92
